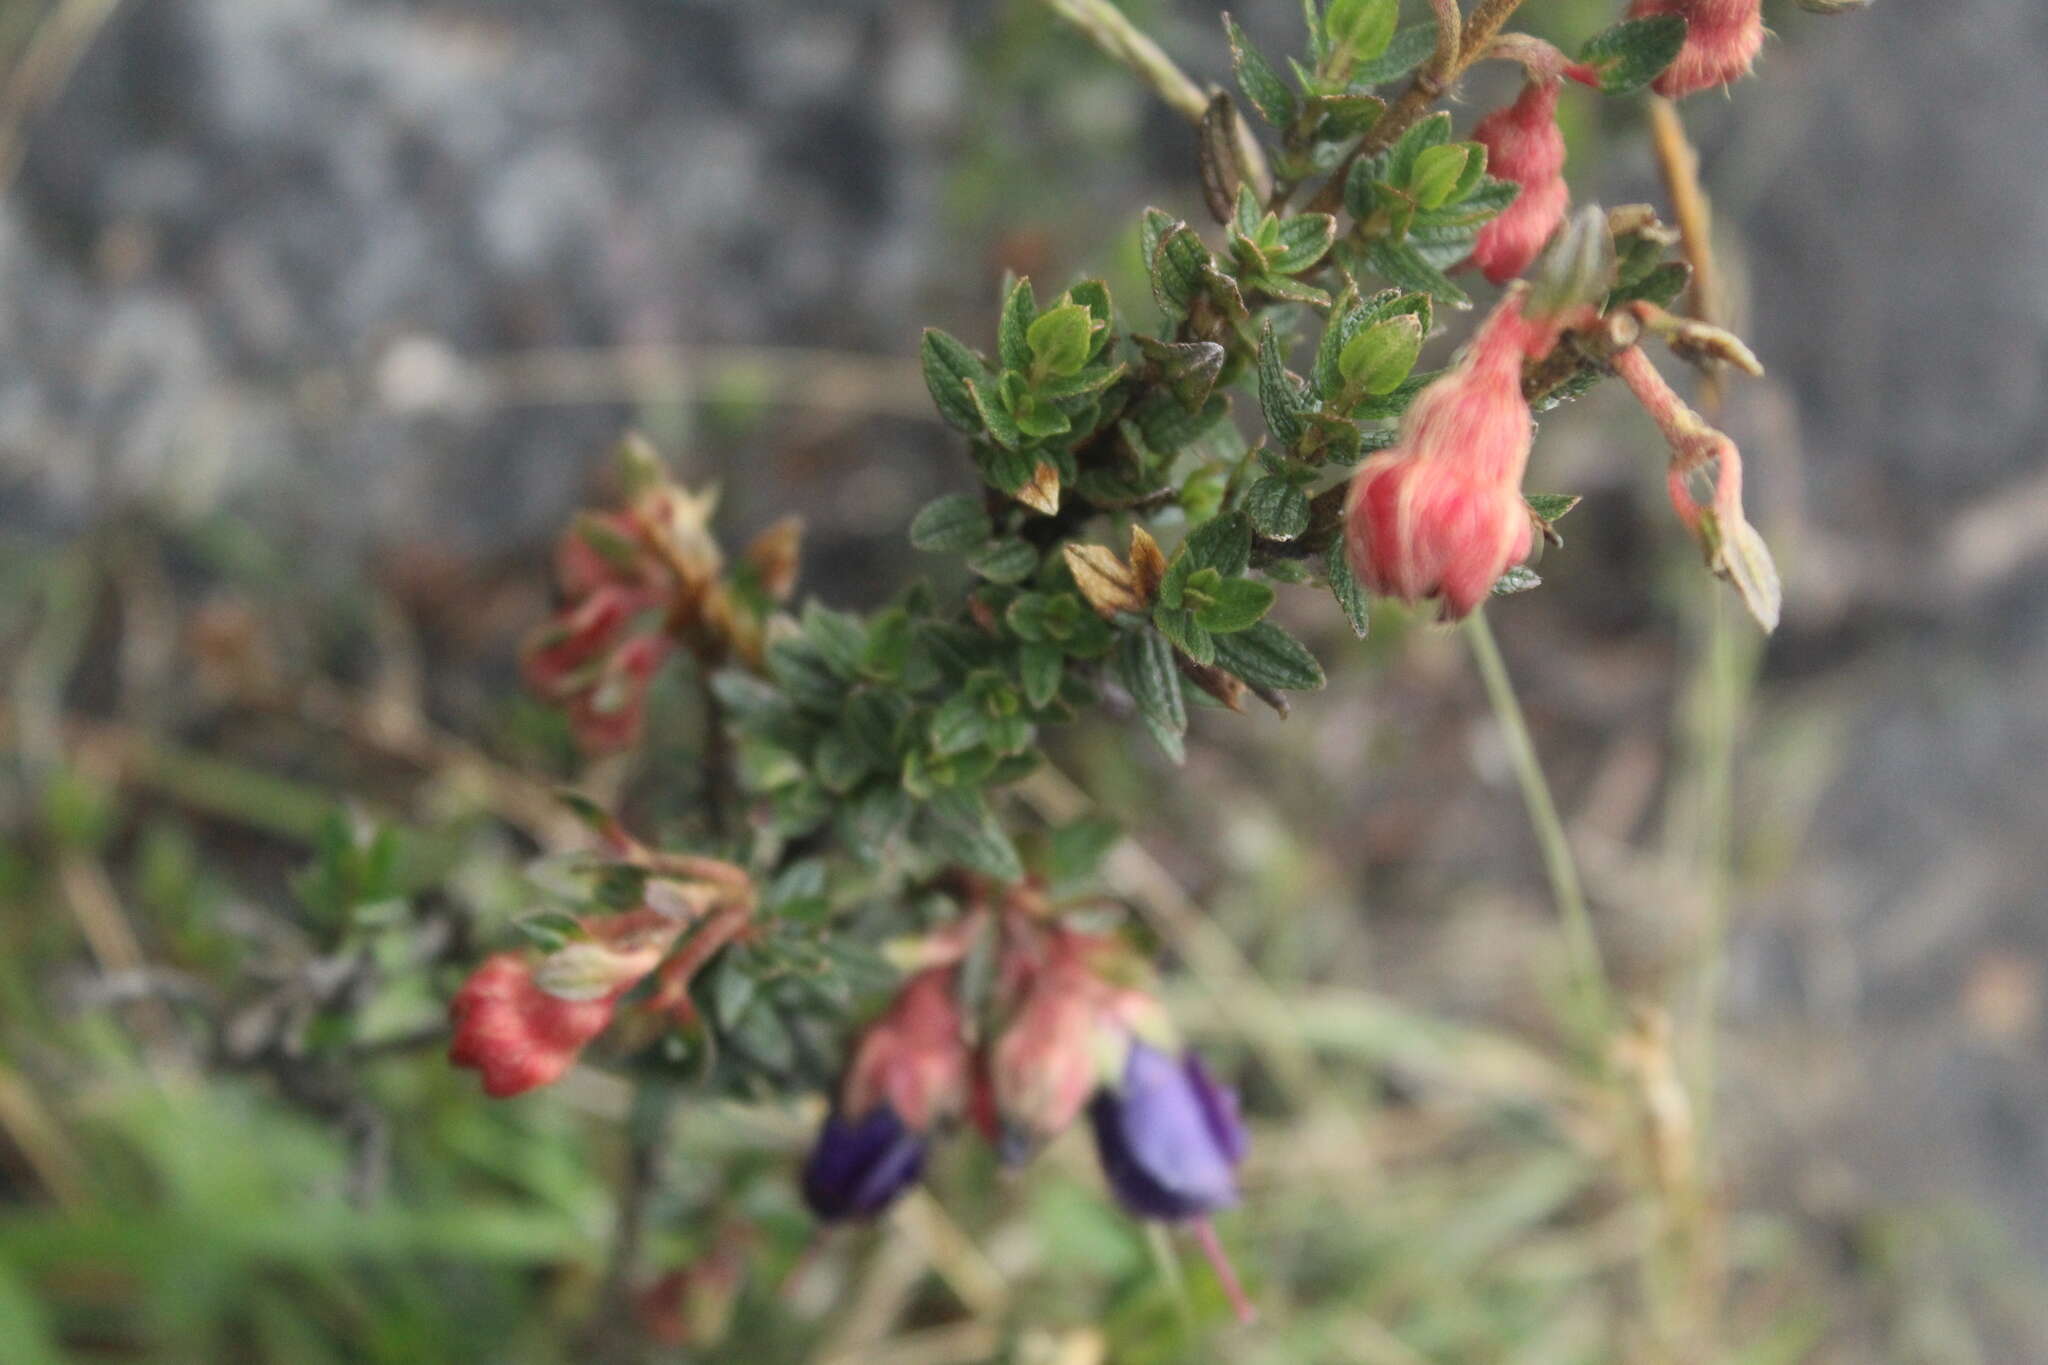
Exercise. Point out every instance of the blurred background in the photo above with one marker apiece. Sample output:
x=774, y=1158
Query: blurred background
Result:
x=317, y=318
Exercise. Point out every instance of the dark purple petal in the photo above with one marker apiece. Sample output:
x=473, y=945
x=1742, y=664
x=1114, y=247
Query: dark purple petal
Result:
x=858, y=1168
x=1168, y=1137
x=1219, y=1107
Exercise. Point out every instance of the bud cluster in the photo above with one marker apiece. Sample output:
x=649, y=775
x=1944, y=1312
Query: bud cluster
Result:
x=521, y=1020
x=639, y=582
x=1064, y=1030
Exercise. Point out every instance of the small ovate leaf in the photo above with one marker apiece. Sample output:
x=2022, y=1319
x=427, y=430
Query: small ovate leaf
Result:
x=951, y=372
x=1236, y=604
x=1661, y=285
x=1281, y=396
x=1628, y=56
x=1060, y=339
x=1257, y=78
x=1146, y=667
x=1277, y=507
x=1550, y=507
x=1020, y=307
x=1189, y=368
x=1438, y=171
x=1409, y=48
x=1267, y=656
x=1345, y=587
x=1304, y=239
x=1402, y=157
x=959, y=828
x=1005, y=561
x=1399, y=263
x=1376, y=360
x=951, y=524
x=1361, y=29
x=1520, y=578
x=1039, y=669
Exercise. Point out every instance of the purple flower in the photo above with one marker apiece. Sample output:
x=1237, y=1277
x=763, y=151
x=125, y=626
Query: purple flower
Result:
x=860, y=1166
x=1169, y=1137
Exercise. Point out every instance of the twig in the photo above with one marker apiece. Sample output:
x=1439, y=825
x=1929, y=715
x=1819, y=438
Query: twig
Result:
x=1456, y=49
x=45, y=67
x=1104, y=25
x=1679, y=165
x=1589, y=974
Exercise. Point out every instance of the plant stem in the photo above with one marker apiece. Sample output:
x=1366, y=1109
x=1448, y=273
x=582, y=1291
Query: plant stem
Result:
x=1106, y=26
x=1679, y=165
x=1589, y=974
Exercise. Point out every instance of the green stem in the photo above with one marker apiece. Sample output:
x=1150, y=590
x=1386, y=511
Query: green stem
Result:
x=1589, y=975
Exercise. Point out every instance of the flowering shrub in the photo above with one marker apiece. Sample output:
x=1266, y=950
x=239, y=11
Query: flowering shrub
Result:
x=1125, y=526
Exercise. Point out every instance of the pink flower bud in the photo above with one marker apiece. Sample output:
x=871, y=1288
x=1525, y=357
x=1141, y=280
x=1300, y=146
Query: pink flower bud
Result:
x=1523, y=144
x=517, y=1034
x=913, y=1058
x=1722, y=38
x=558, y=657
x=1046, y=1062
x=1440, y=513
x=523, y=1024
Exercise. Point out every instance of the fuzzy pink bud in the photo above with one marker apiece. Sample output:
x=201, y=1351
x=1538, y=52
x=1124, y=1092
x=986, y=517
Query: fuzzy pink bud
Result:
x=523, y=1024
x=913, y=1058
x=517, y=1034
x=1722, y=38
x=1440, y=513
x=1523, y=144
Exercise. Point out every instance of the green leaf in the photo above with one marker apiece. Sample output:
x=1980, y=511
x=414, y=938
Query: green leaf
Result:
x=1278, y=509
x=1039, y=668
x=995, y=417
x=1178, y=625
x=1257, y=78
x=1076, y=850
x=951, y=371
x=1181, y=267
x=1438, y=171
x=1145, y=664
x=1060, y=339
x=1236, y=604
x=1345, y=587
x=1019, y=308
x=1633, y=53
x=1280, y=393
x=1409, y=48
x=1168, y=428
x=1399, y=263
x=959, y=828
x=961, y=723
x=1402, y=158
x=951, y=524
x=1304, y=238
x=1005, y=561
x=840, y=762
x=1380, y=357
x=1222, y=543
x=1361, y=28
x=841, y=638
x=1267, y=656
x=1550, y=507
x=1520, y=578
x=1188, y=367
x=1660, y=286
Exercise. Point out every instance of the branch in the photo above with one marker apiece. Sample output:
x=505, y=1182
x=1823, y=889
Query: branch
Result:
x=1104, y=25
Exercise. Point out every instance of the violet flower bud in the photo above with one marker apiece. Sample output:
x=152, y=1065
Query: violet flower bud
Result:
x=1168, y=1136
x=861, y=1166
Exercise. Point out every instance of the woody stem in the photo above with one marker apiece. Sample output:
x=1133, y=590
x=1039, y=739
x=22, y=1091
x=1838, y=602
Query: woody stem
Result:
x=1589, y=974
